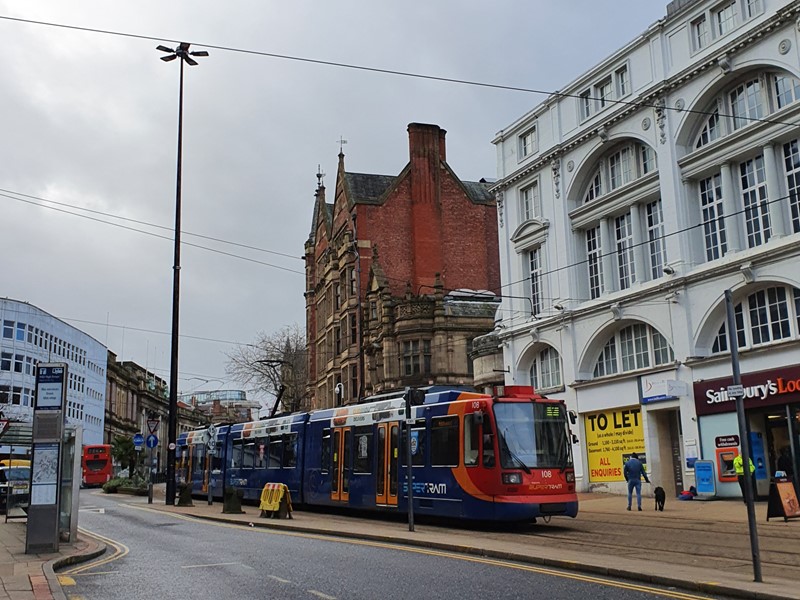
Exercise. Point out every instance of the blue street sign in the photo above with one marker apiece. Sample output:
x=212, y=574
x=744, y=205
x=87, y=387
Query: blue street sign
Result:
x=138, y=439
x=151, y=441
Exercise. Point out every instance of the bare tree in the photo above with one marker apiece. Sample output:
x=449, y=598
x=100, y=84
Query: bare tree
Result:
x=276, y=360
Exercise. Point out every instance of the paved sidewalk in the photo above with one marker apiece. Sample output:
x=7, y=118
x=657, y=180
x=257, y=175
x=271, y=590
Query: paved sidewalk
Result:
x=699, y=545
x=31, y=576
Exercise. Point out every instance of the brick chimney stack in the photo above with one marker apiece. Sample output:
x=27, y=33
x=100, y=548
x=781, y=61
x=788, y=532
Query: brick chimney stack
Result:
x=426, y=145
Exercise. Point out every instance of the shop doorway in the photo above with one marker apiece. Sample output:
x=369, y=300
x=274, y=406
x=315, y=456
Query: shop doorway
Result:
x=782, y=425
x=666, y=464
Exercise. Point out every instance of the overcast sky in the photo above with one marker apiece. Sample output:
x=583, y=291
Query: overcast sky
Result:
x=89, y=120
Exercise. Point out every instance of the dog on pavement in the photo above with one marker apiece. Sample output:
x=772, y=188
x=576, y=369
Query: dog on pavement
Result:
x=661, y=497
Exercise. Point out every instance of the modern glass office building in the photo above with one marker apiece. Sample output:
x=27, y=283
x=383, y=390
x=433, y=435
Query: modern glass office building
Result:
x=28, y=336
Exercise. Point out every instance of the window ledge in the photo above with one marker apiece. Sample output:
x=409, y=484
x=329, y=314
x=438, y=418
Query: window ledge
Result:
x=578, y=384
x=530, y=233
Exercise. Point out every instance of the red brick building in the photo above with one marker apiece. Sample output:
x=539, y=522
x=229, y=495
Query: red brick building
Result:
x=387, y=264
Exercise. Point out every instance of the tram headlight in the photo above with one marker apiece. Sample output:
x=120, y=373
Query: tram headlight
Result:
x=570, y=477
x=512, y=478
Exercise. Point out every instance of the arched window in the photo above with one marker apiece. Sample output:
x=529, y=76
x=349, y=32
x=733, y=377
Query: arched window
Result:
x=764, y=317
x=637, y=346
x=546, y=369
x=746, y=102
x=624, y=164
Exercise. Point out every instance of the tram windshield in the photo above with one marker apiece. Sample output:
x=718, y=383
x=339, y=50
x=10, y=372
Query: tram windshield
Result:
x=533, y=435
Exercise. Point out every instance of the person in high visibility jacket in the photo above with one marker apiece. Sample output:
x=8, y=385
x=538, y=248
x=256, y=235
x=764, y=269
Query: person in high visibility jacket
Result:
x=738, y=465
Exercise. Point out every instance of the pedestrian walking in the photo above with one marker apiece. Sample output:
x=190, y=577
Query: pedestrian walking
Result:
x=738, y=466
x=634, y=471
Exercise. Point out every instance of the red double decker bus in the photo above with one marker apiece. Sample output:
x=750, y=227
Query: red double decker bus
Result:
x=96, y=464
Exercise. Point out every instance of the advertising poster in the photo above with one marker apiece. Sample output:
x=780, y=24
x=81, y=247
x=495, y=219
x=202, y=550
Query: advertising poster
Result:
x=611, y=436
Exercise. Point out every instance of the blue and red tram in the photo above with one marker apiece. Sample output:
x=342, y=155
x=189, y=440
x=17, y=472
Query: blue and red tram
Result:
x=504, y=457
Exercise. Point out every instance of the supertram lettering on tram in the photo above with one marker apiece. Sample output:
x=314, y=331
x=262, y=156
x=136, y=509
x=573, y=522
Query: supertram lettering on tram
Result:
x=474, y=456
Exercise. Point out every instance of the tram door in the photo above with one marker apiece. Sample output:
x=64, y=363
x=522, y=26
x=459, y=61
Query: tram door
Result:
x=386, y=464
x=207, y=473
x=342, y=451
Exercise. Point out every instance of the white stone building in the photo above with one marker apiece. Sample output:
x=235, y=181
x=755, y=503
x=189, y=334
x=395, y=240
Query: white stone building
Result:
x=29, y=336
x=628, y=203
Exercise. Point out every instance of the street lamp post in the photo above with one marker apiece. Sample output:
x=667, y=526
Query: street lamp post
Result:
x=181, y=52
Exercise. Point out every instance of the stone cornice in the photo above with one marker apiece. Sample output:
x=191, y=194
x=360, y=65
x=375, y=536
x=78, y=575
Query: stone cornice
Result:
x=650, y=99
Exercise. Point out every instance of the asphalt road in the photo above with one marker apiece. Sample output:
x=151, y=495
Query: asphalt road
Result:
x=158, y=555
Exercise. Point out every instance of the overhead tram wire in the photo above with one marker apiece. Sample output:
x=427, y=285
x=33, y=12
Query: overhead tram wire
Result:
x=156, y=235
x=395, y=72
x=397, y=279
x=138, y=222
x=351, y=66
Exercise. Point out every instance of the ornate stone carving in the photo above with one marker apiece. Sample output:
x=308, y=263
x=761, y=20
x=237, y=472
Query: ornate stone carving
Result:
x=661, y=119
x=680, y=103
x=646, y=123
x=785, y=46
x=570, y=166
x=499, y=198
x=556, y=166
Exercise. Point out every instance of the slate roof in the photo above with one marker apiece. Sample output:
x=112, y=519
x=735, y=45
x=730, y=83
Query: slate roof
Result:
x=478, y=192
x=367, y=189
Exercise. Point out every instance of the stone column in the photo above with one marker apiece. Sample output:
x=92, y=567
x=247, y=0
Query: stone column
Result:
x=607, y=250
x=775, y=193
x=731, y=208
x=640, y=270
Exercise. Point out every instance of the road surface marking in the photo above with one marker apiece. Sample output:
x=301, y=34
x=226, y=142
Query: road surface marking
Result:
x=226, y=564
x=120, y=550
x=552, y=571
x=321, y=595
x=279, y=579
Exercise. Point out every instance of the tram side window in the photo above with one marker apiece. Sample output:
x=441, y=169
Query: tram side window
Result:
x=325, y=458
x=488, y=443
x=248, y=455
x=418, y=446
x=261, y=452
x=275, y=452
x=363, y=458
x=444, y=441
x=198, y=463
x=472, y=432
x=216, y=462
x=236, y=455
x=290, y=451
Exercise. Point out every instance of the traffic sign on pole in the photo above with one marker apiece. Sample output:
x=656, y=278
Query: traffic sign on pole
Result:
x=151, y=441
x=138, y=440
x=152, y=425
x=736, y=391
x=4, y=425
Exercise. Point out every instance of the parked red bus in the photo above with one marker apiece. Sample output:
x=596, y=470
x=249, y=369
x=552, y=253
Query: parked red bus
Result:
x=96, y=464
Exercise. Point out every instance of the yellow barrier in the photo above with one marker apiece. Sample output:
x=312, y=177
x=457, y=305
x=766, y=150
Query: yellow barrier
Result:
x=276, y=501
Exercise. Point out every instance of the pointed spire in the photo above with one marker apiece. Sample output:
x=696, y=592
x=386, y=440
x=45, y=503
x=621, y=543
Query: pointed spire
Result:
x=320, y=177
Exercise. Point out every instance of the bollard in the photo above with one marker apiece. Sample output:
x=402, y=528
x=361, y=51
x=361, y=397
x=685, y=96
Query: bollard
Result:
x=185, y=494
x=232, y=502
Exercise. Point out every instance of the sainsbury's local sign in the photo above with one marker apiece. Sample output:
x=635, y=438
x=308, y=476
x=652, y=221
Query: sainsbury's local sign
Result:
x=762, y=388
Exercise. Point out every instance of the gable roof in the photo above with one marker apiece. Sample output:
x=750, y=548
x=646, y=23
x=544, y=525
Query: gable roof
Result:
x=366, y=188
